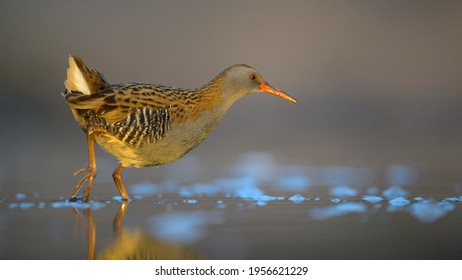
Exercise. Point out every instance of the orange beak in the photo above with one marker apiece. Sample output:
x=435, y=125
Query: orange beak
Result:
x=265, y=87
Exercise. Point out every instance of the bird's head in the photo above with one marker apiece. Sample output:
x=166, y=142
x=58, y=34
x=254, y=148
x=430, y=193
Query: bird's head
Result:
x=240, y=80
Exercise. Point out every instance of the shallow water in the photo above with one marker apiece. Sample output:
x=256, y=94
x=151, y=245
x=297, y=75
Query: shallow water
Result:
x=298, y=212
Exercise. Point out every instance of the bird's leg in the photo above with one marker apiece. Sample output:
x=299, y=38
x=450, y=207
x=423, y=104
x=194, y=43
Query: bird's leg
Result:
x=91, y=234
x=91, y=170
x=117, y=176
x=119, y=217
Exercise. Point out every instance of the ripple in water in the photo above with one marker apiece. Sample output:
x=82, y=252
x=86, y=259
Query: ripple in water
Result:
x=337, y=210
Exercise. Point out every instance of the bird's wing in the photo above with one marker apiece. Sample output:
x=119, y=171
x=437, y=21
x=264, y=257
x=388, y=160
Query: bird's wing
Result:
x=117, y=102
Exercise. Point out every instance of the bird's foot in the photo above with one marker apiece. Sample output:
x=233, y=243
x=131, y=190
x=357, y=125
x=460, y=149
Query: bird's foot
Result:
x=86, y=182
x=89, y=169
x=75, y=198
x=117, y=176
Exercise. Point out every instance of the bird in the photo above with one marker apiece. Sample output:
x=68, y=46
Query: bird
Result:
x=144, y=124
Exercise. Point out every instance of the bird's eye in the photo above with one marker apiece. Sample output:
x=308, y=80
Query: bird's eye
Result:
x=252, y=77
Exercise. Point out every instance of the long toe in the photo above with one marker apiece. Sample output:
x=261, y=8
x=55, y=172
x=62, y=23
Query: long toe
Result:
x=86, y=182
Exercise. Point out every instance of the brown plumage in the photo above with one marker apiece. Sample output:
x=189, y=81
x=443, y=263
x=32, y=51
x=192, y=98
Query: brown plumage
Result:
x=147, y=124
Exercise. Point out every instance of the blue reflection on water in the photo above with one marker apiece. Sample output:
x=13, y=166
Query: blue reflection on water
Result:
x=343, y=191
x=246, y=187
x=13, y=205
x=248, y=191
x=183, y=227
x=83, y=205
x=26, y=205
x=453, y=199
x=220, y=204
x=270, y=198
x=22, y=205
x=241, y=187
x=337, y=210
x=259, y=172
x=119, y=198
x=399, y=202
x=395, y=191
x=428, y=212
x=190, y=201
x=372, y=198
x=20, y=196
x=298, y=198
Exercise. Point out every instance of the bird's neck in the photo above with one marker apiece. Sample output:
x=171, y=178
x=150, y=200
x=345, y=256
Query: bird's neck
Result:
x=218, y=94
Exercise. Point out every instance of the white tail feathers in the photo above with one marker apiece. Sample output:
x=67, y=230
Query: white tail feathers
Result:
x=76, y=80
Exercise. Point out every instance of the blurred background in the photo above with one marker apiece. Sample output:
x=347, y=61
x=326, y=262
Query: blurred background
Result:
x=378, y=83
x=379, y=87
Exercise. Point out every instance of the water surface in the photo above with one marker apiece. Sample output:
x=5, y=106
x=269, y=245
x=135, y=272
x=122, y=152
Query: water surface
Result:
x=298, y=212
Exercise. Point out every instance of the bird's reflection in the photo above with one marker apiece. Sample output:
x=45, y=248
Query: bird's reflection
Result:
x=131, y=243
